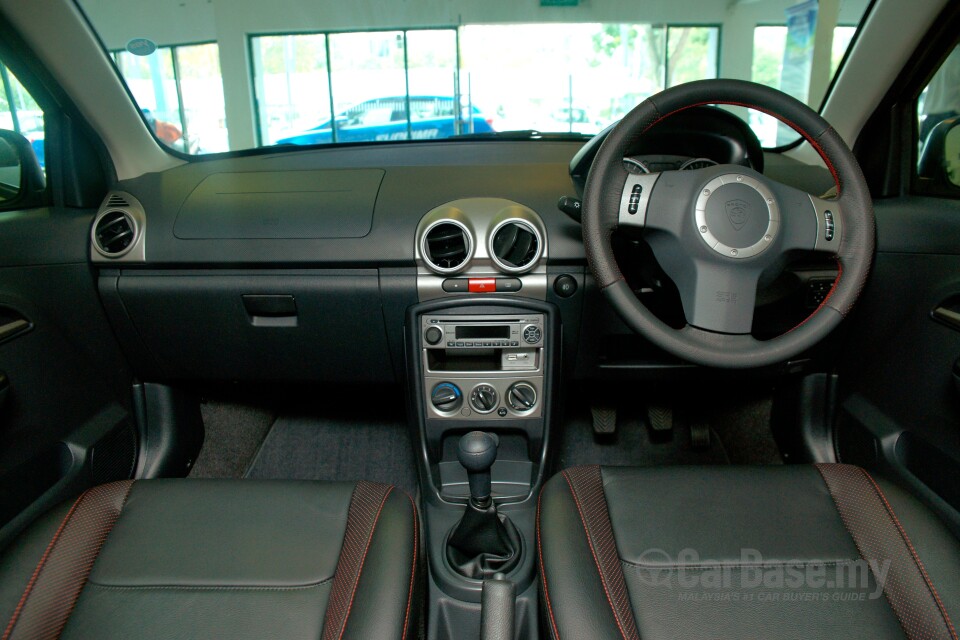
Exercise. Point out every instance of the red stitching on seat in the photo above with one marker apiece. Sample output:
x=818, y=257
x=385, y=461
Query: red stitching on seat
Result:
x=913, y=553
x=603, y=579
x=543, y=572
x=363, y=562
x=413, y=569
x=40, y=565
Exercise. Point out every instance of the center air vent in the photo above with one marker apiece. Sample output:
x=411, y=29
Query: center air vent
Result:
x=114, y=233
x=515, y=246
x=447, y=246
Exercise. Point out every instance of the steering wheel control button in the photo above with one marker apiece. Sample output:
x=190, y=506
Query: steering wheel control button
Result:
x=482, y=285
x=455, y=285
x=532, y=334
x=522, y=397
x=433, y=335
x=484, y=398
x=829, y=224
x=565, y=286
x=636, y=196
x=508, y=285
x=737, y=216
x=446, y=397
x=634, y=199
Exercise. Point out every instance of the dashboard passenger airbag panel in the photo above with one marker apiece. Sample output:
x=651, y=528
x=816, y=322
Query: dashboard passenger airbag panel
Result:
x=274, y=205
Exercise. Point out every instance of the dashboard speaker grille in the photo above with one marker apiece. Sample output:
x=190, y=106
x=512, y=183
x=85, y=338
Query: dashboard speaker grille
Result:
x=447, y=246
x=515, y=246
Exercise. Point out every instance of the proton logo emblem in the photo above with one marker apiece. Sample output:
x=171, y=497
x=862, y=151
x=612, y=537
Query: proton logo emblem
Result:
x=738, y=212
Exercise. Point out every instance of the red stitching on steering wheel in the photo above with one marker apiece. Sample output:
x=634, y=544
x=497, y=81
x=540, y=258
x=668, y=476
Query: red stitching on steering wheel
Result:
x=808, y=138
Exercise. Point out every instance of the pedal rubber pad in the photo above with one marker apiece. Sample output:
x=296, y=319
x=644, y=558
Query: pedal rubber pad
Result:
x=604, y=419
x=700, y=435
x=660, y=418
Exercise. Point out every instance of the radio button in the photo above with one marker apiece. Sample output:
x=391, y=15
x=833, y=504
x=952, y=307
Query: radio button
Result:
x=532, y=334
x=433, y=335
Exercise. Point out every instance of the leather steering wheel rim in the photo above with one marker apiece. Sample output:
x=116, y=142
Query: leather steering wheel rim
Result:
x=604, y=199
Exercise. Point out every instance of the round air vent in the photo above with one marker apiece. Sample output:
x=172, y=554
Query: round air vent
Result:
x=114, y=233
x=446, y=246
x=515, y=246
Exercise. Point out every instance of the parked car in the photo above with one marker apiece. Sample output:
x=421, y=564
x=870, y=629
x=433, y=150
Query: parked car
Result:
x=381, y=119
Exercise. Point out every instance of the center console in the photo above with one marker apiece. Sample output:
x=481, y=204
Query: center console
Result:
x=482, y=370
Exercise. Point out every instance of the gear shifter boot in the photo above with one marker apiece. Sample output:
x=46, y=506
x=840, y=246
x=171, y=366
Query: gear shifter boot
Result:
x=483, y=543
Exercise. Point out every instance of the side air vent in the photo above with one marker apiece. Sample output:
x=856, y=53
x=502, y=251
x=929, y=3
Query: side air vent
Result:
x=447, y=246
x=118, y=230
x=515, y=246
x=114, y=233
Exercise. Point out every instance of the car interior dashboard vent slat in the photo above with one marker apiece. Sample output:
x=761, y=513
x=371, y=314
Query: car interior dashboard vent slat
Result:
x=118, y=230
x=447, y=246
x=515, y=246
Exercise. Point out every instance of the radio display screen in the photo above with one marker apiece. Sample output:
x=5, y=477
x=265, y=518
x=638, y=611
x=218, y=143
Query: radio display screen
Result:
x=472, y=332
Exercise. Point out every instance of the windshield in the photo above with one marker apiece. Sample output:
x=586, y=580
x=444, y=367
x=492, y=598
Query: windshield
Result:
x=227, y=75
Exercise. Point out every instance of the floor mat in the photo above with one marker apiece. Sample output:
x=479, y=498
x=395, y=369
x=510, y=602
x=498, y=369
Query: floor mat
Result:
x=313, y=448
x=232, y=434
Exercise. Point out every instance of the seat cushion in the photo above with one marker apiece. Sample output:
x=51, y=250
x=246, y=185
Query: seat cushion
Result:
x=211, y=558
x=795, y=551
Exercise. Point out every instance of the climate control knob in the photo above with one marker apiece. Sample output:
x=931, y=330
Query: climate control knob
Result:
x=484, y=398
x=446, y=397
x=522, y=397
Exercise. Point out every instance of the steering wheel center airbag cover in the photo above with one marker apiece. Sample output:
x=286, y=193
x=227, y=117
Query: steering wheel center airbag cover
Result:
x=737, y=216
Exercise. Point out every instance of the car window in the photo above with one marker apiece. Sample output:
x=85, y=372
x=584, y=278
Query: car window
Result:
x=318, y=78
x=938, y=125
x=19, y=112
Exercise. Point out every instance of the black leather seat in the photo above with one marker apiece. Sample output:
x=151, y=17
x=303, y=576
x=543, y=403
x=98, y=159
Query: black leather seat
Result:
x=217, y=559
x=793, y=552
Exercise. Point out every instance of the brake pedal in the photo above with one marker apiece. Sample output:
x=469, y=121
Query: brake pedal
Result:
x=604, y=420
x=700, y=435
x=660, y=418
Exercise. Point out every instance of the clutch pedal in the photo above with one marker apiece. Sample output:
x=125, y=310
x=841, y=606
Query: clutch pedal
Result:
x=604, y=420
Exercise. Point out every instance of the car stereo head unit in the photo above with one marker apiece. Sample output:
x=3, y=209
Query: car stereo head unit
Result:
x=482, y=332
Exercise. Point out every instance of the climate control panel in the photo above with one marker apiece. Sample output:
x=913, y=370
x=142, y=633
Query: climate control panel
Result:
x=484, y=399
x=483, y=367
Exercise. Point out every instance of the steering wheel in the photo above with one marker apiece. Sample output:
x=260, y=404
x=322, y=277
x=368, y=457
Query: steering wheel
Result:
x=714, y=231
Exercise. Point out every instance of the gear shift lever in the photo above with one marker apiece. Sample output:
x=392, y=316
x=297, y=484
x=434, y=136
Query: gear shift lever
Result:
x=484, y=542
x=477, y=452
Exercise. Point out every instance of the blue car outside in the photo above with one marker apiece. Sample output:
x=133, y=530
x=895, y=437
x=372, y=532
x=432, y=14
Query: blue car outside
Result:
x=384, y=119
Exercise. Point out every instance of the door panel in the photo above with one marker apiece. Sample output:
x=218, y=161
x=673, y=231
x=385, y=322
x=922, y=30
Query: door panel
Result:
x=65, y=419
x=900, y=406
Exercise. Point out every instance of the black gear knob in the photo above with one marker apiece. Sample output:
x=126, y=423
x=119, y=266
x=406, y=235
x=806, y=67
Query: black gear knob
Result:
x=477, y=452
